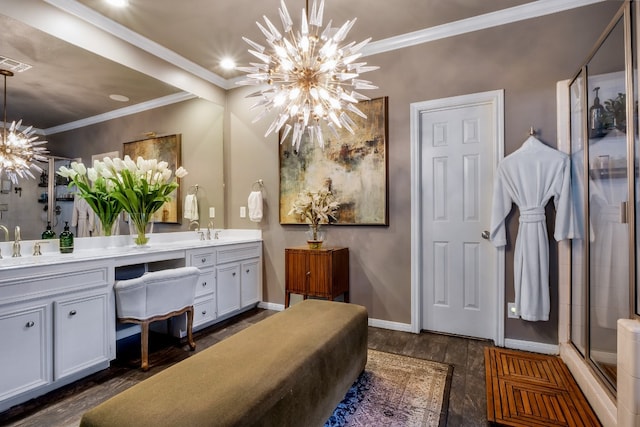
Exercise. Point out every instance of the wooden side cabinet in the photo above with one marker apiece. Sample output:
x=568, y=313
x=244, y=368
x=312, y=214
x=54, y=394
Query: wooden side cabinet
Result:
x=316, y=272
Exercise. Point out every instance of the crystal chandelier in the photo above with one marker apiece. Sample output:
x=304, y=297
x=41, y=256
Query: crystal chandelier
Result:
x=309, y=76
x=19, y=149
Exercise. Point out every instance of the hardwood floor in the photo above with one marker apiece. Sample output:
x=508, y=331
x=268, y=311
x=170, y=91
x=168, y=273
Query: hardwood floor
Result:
x=64, y=407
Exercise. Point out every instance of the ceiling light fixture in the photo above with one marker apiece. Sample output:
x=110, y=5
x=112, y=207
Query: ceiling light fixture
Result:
x=118, y=3
x=19, y=149
x=310, y=77
x=228, y=63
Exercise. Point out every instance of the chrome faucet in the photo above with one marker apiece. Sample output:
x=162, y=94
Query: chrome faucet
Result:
x=16, y=243
x=209, y=227
x=6, y=235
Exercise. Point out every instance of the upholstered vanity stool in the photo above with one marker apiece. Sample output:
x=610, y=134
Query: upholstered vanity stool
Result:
x=155, y=296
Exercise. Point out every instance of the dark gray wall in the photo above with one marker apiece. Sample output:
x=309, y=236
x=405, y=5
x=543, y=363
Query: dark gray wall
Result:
x=526, y=59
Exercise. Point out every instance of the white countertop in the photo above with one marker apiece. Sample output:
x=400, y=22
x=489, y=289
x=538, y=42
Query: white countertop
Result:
x=114, y=247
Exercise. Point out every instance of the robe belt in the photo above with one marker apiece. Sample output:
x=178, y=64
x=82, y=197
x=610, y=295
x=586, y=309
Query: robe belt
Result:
x=532, y=214
x=610, y=213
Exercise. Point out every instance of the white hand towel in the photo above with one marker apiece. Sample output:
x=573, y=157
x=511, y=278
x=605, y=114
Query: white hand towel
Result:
x=191, y=207
x=255, y=206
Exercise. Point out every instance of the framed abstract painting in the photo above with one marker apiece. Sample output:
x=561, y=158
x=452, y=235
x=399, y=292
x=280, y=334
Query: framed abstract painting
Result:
x=163, y=148
x=354, y=166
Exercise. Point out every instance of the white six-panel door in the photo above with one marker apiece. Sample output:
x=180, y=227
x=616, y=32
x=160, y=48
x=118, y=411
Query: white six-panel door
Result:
x=458, y=283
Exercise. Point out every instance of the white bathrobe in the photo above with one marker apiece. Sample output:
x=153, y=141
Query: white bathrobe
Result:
x=530, y=177
x=82, y=217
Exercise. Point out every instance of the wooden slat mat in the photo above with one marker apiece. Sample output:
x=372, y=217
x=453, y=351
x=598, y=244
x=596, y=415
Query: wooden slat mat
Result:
x=529, y=389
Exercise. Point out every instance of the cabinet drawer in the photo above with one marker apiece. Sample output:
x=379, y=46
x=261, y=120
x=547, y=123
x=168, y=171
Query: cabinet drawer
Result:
x=233, y=253
x=202, y=259
x=204, y=311
x=206, y=284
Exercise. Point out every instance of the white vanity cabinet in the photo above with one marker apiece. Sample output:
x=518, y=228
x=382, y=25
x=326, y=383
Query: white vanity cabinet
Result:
x=58, y=315
x=53, y=328
x=238, y=276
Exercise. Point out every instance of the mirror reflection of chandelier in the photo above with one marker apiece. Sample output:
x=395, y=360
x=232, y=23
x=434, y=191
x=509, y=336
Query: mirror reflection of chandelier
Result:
x=19, y=149
x=309, y=76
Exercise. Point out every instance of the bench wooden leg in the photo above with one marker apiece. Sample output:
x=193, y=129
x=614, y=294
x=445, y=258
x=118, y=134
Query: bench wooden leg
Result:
x=144, y=344
x=287, y=295
x=192, y=343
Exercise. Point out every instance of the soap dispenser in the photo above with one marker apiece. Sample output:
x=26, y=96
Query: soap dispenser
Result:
x=66, y=240
x=48, y=233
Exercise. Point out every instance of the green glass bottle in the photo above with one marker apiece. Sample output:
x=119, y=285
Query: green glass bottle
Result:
x=48, y=233
x=66, y=240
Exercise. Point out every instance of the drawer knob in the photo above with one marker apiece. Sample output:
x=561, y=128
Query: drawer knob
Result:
x=30, y=324
x=204, y=312
x=203, y=260
x=73, y=313
x=247, y=271
x=308, y=273
x=204, y=284
x=234, y=274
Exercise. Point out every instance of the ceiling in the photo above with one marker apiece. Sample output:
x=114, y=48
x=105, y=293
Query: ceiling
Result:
x=82, y=51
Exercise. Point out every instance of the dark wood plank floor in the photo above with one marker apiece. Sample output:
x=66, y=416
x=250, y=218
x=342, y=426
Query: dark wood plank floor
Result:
x=530, y=390
x=64, y=407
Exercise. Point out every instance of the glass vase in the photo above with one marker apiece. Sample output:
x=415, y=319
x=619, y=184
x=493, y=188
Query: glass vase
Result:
x=315, y=236
x=140, y=227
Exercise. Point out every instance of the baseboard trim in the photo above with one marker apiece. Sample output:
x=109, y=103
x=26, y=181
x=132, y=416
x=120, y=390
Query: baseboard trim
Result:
x=394, y=326
x=536, y=347
x=376, y=323
x=271, y=306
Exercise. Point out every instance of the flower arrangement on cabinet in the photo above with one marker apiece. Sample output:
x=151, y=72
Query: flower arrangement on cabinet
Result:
x=140, y=188
x=315, y=207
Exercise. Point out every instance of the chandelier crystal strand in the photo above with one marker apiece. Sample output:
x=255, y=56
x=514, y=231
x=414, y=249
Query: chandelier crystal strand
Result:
x=309, y=77
x=19, y=149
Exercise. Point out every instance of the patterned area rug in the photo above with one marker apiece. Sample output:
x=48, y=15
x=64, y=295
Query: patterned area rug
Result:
x=396, y=390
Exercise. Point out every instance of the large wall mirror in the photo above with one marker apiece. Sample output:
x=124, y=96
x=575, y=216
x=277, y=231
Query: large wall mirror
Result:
x=66, y=84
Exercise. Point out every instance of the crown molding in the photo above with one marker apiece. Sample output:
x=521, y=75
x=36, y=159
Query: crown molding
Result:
x=481, y=22
x=121, y=112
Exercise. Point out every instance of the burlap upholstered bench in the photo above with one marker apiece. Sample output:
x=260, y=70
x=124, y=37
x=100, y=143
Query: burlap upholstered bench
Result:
x=291, y=369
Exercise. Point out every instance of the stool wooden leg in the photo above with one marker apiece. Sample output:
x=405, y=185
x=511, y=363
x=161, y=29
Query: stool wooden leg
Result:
x=144, y=344
x=286, y=299
x=192, y=343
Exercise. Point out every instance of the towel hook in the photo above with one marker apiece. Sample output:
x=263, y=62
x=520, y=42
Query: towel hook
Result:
x=532, y=131
x=193, y=189
x=257, y=185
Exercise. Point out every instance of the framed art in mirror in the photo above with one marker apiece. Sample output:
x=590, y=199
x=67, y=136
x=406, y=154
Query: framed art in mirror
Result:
x=163, y=148
x=354, y=167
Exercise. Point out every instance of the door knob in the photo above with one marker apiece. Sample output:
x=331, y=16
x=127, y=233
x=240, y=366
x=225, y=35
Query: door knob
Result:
x=486, y=234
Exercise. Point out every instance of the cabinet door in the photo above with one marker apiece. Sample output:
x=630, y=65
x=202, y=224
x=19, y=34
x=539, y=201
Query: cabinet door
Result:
x=250, y=283
x=320, y=273
x=296, y=271
x=80, y=334
x=25, y=355
x=228, y=288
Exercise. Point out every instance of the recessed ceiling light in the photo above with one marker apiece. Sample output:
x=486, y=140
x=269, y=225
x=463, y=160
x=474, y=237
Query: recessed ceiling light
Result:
x=228, y=64
x=118, y=3
x=119, y=98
